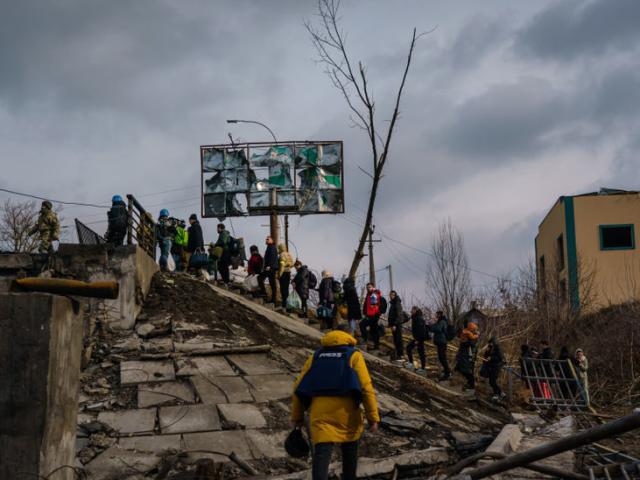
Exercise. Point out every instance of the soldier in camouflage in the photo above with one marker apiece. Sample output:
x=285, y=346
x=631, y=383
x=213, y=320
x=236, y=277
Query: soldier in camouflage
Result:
x=47, y=227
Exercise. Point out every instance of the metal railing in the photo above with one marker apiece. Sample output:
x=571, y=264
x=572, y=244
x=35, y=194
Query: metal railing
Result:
x=554, y=383
x=86, y=236
x=141, y=228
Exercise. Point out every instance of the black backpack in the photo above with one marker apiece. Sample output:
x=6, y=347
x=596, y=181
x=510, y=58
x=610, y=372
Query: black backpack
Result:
x=234, y=246
x=313, y=280
x=336, y=286
x=383, y=305
x=405, y=317
x=451, y=332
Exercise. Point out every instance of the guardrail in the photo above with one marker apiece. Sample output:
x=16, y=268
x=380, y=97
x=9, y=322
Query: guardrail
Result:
x=141, y=228
x=86, y=236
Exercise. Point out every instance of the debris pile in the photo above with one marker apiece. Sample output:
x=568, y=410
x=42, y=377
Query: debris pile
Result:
x=206, y=374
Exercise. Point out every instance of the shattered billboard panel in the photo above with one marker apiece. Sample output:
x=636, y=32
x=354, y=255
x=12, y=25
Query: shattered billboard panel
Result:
x=305, y=178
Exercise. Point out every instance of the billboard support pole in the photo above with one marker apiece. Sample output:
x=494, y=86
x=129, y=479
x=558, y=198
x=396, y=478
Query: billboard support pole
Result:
x=286, y=231
x=273, y=223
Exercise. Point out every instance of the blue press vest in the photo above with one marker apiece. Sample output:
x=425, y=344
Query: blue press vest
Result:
x=330, y=375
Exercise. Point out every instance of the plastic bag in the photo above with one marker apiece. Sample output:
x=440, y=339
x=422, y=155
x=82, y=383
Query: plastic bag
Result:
x=293, y=301
x=251, y=283
x=171, y=263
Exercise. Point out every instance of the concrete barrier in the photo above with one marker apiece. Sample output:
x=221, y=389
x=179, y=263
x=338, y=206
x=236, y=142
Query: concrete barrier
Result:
x=40, y=350
x=129, y=265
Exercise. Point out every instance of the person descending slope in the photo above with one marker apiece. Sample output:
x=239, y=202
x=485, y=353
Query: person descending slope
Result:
x=420, y=333
x=47, y=227
x=118, y=220
x=466, y=357
x=333, y=383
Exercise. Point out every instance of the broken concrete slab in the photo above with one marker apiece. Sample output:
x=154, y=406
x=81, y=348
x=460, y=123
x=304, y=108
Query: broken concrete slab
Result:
x=266, y=388
x=226, y=441
x=528, y=422
x=116, y=462
x=392, y=404
x=158, y=345
x=153, y=444
x=256, y=364
x=150, y=395
x=130, y=422
x=134, y=372
x=206, y=366
x=200, y=347
x=507, y=440
x=266, y=443
x=217, y=390
x=129, y=344
x=189, y=418
x=245, y=414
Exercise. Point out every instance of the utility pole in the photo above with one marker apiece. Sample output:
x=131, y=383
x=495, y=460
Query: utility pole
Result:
x=286, y=231
x=372, y=266
x=273, y=223
x=390, y=277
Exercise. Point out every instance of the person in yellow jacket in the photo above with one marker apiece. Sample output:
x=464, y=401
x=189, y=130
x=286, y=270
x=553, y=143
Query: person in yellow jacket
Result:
x=338, y=418
x=285, y=262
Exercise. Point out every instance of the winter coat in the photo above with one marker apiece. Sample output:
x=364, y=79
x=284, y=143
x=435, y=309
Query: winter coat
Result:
x=325, y=291
x=118, y=219
x=466, y=356
x=494, y=358
x=196, y=240
x=338, y=419
x=285, y=262
x=419, y=328
x=395, y=314
x=166, y=229
x=47, y=226
x=271, y=258
x=255, y=264
x=369, y=309
x=439, y=330
x=352, y=300
x=301, y=281
x=582, y=367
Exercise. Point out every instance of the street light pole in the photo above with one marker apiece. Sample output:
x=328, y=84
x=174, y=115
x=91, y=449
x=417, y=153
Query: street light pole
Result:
x=273, y=216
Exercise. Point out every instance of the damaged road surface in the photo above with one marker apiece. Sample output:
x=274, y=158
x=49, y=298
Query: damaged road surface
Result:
x=206, y=373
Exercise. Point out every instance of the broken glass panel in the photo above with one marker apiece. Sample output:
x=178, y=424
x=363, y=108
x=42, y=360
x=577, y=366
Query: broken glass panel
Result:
x=235, y=158
x=307, y=157
x=212, y=159
x=313, y=178
x=320, y=201
x=224, y=204
x=280, y=176
x=231, y=180
x=329, y=154
x=259, y=199
x=286, y=198
x=269, y=156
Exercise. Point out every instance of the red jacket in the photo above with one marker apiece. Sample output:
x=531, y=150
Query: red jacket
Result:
x=372, y=310
x=255, y=264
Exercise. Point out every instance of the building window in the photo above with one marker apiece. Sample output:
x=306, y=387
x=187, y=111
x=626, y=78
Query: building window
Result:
x=560, y=245
x=617, y=237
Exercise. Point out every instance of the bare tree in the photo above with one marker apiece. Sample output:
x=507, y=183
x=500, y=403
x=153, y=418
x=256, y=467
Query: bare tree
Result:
x=353, y=83
x=16, y=219
x=448, y=279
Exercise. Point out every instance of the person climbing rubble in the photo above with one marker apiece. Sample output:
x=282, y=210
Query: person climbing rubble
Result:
x=224, y=259
x=333, y=383
x=354, y=311
x=165, y=235
x=492, y=366
x=301, y=285
x=395, y=319
x=420, y=334
x=371, y=310
x=326, y=301
x=117, y=221
x=439, y=329
x=47, y=227
x=467, y=351
x=179, y=245
x=285, y=262
x=270, y=269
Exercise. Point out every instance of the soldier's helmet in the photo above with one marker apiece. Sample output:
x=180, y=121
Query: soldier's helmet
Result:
x=47, y=204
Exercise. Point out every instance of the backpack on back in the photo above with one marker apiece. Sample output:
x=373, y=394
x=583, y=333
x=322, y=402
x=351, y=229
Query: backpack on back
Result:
x=313, y=280
x=336, y=286
x=383, y=305
x=234, y=246
x=451, y=332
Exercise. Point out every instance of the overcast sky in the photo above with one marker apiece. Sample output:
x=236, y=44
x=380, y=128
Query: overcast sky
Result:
x=508, y=105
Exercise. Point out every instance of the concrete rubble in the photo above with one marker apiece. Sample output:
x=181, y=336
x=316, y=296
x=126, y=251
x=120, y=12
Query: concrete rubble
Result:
x=163, y=415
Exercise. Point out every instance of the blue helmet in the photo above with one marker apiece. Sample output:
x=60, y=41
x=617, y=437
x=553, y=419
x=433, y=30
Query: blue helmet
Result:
x=116, y=198
x=164, y=212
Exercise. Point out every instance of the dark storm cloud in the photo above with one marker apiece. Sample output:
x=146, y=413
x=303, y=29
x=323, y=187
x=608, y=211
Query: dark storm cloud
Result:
x=478, y=37
x=506, y=121
x=570, y=28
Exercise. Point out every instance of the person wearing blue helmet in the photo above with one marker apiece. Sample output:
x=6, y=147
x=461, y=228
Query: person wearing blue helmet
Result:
x=118, y=220
x=165, y=234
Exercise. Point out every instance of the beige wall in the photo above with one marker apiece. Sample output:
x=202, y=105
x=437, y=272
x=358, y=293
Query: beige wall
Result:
x=549, y=230
x=615, y=273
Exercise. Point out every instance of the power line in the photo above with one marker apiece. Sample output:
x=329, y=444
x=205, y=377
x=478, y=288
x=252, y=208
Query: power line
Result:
x=80, y=204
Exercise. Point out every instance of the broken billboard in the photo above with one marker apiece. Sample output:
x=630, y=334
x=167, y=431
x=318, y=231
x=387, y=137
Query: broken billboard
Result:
x=241, y=179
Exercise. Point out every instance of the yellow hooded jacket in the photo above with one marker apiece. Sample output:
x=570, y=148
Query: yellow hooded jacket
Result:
x=337, y=419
